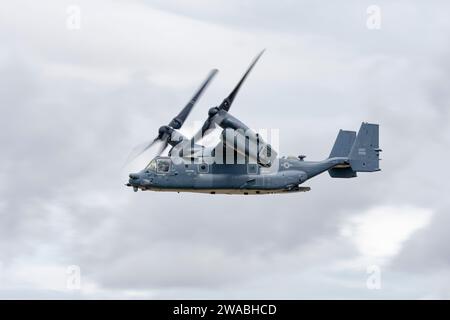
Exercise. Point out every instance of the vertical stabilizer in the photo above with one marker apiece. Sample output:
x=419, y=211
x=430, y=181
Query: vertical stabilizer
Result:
x=343, y=144
x=341, y=148
x=364, y=154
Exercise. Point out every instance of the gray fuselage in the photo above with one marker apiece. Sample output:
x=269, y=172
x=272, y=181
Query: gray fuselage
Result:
x=285, y=175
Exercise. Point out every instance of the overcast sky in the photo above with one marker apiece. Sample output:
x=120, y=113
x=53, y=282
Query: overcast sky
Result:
x=75, y=99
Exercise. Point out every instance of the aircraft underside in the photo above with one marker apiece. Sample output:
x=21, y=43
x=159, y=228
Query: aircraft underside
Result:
x=235, y=191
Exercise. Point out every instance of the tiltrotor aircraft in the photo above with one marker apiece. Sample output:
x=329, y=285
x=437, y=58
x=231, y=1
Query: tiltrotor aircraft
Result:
x=242, y=162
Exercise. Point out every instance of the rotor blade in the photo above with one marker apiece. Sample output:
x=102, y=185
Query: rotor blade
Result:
x=200, y=133
x=226, y=104
x=178, y=121
x=138, y=150
x=162, y=147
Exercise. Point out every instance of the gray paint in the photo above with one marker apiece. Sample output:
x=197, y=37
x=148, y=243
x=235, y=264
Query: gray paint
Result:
x=287, y=174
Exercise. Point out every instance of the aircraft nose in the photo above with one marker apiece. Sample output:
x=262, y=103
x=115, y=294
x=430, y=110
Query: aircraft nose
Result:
x=134, y=176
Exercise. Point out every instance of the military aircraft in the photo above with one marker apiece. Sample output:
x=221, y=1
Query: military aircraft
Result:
x=242, y=162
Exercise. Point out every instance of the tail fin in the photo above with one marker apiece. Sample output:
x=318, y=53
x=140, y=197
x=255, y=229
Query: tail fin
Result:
x=343, y=144
x=364, y=155
x=342, y=147
x=362, y=151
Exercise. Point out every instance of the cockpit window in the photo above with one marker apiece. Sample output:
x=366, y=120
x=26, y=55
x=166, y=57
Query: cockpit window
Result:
x=151, y=166
x=162, y=165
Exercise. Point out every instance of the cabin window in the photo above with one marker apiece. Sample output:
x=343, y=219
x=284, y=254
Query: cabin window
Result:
x=162, y=165
x=151, y=166
x=203, y=168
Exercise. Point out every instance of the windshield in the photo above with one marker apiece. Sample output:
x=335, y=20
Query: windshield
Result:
x=151, y=166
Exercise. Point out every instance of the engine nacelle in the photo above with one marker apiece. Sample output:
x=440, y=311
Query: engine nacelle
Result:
x=249, y=144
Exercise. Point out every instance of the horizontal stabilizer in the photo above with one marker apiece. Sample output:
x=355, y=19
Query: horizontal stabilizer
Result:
x=346, y=172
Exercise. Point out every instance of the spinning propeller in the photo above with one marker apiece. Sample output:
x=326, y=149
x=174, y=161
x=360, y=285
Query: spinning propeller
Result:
x=165, y=132
x=216, y=114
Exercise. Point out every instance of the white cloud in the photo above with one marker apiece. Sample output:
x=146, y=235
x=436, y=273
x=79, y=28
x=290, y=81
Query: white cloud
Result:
x=380, y=231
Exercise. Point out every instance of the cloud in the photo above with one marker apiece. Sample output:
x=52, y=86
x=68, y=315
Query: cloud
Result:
x=74, y=103
x=381, y=231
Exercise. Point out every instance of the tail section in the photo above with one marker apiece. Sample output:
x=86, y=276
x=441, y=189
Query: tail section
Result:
x=342, y=147
x=362, y=151
x=364, y=155
x=343, y=144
